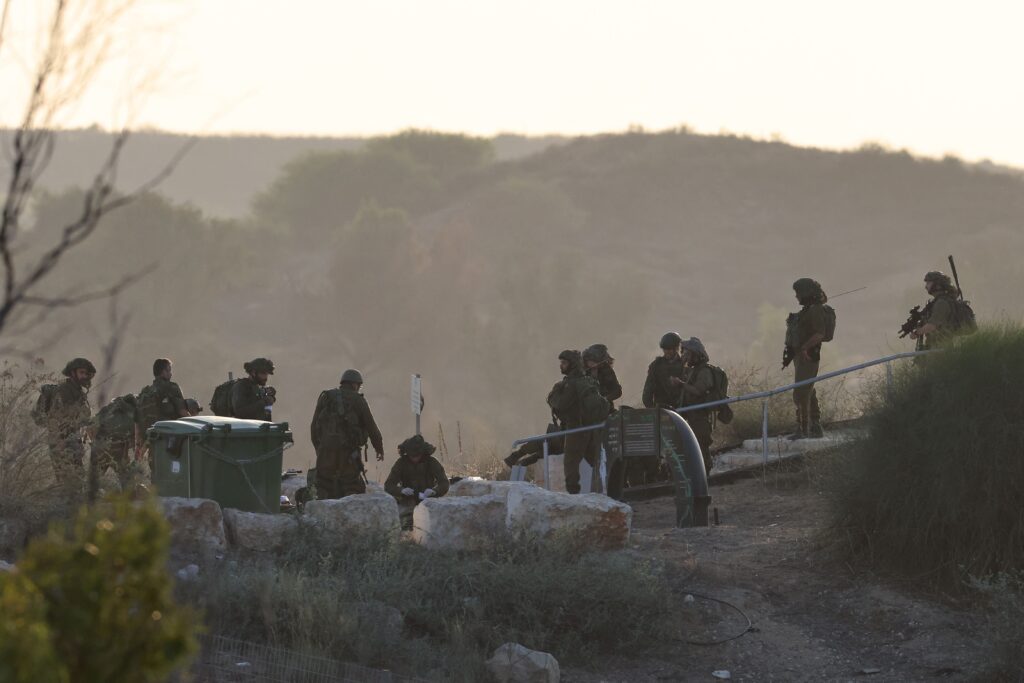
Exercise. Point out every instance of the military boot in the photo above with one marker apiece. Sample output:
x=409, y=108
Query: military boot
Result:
x=511, y=460
x=815, y=431
x=801, y=427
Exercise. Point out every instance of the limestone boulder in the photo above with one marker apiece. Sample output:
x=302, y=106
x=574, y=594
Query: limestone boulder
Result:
x=514, y=663
x=366, y=513
x=13, y=536
x=475, y=486
x=291, y=485
x=459, y=522
x=375, y=487
x=593, y=518
x=257, y=531
x=197, y=525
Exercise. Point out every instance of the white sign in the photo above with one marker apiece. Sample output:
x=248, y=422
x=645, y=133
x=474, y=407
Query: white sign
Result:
x=416, y=396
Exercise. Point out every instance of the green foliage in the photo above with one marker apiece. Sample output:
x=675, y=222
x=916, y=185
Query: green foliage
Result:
x=552, y=596
x=933, y=490
x=94, y=603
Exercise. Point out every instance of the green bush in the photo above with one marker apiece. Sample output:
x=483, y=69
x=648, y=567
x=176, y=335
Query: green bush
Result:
x=933, y=491
x=94, y=603
x=455, y=607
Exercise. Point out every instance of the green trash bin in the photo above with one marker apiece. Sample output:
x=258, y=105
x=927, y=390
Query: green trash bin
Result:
x=235, y=462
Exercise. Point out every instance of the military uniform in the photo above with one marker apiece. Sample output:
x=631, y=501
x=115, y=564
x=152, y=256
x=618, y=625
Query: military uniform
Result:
x=609, y=383
x=115, y=439
x=698, y=381
x=427, y=474
x=68, y=416
x=941, y=312
x=658, y=388
x=811, y=320
x=161, y=400
x=249, y=400
x=342, y=424
x=564, y=400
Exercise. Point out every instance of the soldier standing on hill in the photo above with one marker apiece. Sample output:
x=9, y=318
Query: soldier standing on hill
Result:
x=342, y=424
x=66, y=419
x=599, y=366
x=161, y=400
x=251, y=398
x=939, y=318
x=659, y=389
x=567, y=401
x=805, y=332
x=695, y=388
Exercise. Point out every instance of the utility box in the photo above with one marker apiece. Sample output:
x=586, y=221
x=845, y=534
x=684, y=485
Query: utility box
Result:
x=235, y=462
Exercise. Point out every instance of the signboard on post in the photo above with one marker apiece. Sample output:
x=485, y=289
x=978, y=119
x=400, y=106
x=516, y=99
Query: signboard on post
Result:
x=416, y=399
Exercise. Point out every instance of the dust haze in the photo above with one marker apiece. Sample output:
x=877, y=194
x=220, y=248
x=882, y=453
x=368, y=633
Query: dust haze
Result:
x=475, y=261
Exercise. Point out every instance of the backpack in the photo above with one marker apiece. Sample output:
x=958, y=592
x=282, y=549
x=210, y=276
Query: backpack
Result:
x=966, y=322
x=830, y=322
x=340, y=422
x=720, y=391
x=117, y=418
x=220, y=404
x=44, y=404
x=594, y=407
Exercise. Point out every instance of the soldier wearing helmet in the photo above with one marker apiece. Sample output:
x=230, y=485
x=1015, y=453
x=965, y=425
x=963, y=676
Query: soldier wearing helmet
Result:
x=66, y=420
x=598, y=364
x=251, y=398
x=939, y=317
x=805, y=332
x=695, y=388
x=661, y=389
x=342, y=424
x=566, y=400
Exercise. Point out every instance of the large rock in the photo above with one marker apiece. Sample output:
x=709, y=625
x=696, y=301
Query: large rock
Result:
x=13, y=536
x=475, y=486
x=365, y=513
x=593, y=518
x=257, y=531
x=459, y=522
x=197, y=525
x=513, y=663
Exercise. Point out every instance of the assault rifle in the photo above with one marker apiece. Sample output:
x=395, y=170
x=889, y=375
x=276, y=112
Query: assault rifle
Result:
x=787, y=355
x=914, y=321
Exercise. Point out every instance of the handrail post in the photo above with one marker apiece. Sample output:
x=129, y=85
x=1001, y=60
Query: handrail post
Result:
x=547, y=467
x=764, y=431
x=889, y=380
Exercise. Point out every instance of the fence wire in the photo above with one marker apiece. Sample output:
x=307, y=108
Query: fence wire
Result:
x=226, y=660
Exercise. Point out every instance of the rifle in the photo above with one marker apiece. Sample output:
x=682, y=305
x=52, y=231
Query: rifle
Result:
x=914, y=321
x=956, y=279
x=787, y=356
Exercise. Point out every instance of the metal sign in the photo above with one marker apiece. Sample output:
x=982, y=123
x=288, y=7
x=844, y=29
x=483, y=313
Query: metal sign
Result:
x=416, y=396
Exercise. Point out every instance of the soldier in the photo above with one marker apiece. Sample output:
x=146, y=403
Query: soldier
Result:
x=341, y=425
x=415, y=477
x=805, y=331
x=116, y=430
x=568, y=401
x=660, y=390
x=599, y=366
x=939, y=318
x=251, y=398
x=67, y=417
x=161, y=400
x=695, y=388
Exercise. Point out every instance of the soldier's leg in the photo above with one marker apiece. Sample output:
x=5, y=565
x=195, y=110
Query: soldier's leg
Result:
x=328, y=471
x=803, y=369
x=67, y=457
x=575, y=447
x=121, y=460
x=405, y=512
x=701, y=426
x=592, y=454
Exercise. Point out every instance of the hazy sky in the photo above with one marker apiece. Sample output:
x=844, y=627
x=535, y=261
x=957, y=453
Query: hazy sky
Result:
x=934, y=77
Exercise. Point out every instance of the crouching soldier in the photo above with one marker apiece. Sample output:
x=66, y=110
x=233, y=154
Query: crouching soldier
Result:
x=342, y=424
x=415, y=477
x=114, y=443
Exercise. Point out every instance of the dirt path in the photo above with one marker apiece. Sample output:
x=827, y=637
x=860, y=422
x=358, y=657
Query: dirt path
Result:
x=813, y=620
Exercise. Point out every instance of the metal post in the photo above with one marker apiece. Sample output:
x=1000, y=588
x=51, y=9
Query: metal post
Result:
x=764, y=431
x=547, y=467
x=888, y=377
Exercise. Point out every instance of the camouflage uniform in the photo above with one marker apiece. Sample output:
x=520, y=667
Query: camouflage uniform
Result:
x=564, y=400
x=811, y=320
x=161, y=400
x=428, y=473
x=112, y=447
x=658, y=389
x=698, y=382
x=69, y=415
x=941, y=311
x=342, y=423
x=249, y=400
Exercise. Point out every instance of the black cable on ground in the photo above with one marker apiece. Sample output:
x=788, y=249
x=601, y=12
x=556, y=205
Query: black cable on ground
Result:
x=747, y=629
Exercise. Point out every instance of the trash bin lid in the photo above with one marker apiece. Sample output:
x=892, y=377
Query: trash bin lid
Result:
x=202, y=423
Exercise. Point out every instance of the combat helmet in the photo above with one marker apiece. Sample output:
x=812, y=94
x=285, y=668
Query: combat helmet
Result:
x=353, y=376
x=670, y=340
x=416, y=445
x=597, y=353
x=78, y=364
x=260, y=365
x=940, y=278
x=696, y=346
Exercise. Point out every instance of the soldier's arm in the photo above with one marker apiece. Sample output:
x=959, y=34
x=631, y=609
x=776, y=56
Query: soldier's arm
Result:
x=393, y=484
x=371, y=427
x=246, y=403
x=649, y=384
x=314, y=433
x=440, y=477
x=177, y=400
x=940, y=316
x=612, y=385
x=701, y=384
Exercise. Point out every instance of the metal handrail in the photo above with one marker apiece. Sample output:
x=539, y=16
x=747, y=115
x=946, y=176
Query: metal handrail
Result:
x=765, y=395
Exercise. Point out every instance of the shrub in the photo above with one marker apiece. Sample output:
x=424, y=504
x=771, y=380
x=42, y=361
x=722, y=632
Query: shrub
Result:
x=94, y=603
x=455, y=607
x=933, y=490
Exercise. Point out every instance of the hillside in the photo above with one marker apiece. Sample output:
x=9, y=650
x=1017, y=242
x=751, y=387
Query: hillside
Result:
x=437, y=254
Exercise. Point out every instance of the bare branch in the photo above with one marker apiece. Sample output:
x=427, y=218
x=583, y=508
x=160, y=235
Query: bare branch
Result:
x=107, y=293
